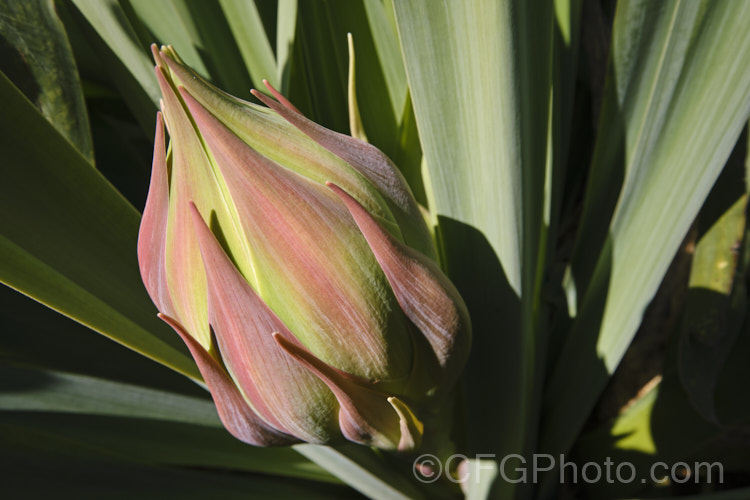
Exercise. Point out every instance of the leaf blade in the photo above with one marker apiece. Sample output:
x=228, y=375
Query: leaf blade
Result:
x=250, y=36
x=71, y=242
x=670, y=119
x=36, y=32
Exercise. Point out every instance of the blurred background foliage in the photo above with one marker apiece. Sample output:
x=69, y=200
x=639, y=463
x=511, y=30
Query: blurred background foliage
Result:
x=584, y=167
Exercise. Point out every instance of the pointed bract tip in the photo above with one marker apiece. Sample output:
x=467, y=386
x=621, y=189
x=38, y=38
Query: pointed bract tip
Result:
x=335, y=188
x=195, y=213
x=234, y=412
x=411, y=427
x=158, y=61
x=280, y=97
x=365, y=414
x=270, y=87
x=425, y=294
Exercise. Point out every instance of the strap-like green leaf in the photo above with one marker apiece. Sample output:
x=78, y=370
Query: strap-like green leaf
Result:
x=480, y=79
x=86, y=459
x=286, y=31
x=398, y=136
x=715, y=307
x=67, y=238
x=202, y=35
x=677, y=96
x=137, y=418
x=362, y=470
x=42, y=65
x=385, y=38
x=250, y=36
x=27, y=389
x=112, y=25
x=41, y=337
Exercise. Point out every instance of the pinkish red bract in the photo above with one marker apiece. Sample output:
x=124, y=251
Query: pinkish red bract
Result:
x=303, y=251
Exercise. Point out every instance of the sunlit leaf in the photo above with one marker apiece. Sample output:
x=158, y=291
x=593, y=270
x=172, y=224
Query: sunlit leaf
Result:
x=250, y=36
x=71, y=241
x=714, y=309
x=132, y=71
x=480, y=81
x=203, y=37
x=26, y=389
x=677, y=96
x=361, y=469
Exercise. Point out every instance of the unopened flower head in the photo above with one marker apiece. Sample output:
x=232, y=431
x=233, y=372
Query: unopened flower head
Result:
x=305, y=254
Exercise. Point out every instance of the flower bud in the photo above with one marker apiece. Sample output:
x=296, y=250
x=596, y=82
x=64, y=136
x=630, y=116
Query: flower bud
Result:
x=305, y=253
